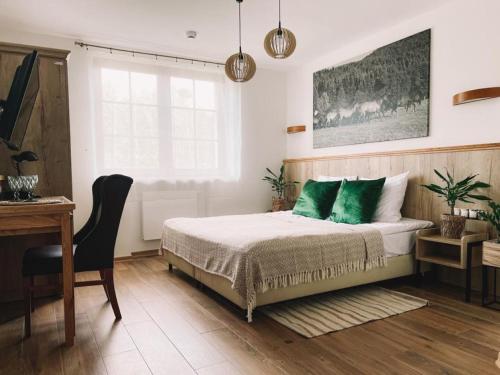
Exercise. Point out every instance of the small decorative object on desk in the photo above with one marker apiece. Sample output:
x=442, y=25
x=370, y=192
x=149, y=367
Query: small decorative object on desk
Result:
x=29, y=184
x=492, y=217
x=15, y=185
x=279, y=184
x=452, y=225
x=24, y=184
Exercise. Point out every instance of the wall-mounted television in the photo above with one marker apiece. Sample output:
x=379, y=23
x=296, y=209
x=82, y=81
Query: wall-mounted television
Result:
x=15, y=111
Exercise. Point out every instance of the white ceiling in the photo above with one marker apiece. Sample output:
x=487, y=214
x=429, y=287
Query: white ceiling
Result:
x=160, y=25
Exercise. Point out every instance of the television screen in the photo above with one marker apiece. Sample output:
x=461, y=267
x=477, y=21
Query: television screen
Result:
x=16, y=110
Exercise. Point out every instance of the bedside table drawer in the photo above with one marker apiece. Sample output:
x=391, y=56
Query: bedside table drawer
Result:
x=491, y=254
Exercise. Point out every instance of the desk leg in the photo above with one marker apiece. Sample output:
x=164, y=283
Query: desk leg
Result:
x=468, y=273
x=68, y=279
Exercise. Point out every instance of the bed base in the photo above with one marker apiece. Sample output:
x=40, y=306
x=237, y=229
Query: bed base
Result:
x=399, y=266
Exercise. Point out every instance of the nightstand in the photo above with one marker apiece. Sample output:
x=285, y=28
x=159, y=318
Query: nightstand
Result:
x=463, y=253
x=491, y=258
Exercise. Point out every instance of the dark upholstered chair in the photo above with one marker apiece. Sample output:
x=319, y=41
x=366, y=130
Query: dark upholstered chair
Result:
x=93, y=245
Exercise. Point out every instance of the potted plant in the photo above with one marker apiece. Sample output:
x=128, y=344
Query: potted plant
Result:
x=452, y=226
x=279, y=185
x=493, y=217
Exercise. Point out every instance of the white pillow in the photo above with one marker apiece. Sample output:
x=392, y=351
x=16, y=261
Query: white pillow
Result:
x=391, y=200
x=339, y=178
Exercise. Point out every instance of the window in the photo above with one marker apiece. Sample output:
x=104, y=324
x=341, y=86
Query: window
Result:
x=129, y=120
x=194, y=124
x=162, y=122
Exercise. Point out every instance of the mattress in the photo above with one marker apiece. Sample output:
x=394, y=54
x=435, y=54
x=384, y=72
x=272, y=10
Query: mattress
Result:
x=399, y=238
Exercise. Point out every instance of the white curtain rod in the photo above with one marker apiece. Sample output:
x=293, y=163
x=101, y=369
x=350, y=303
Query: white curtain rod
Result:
x=155, y=55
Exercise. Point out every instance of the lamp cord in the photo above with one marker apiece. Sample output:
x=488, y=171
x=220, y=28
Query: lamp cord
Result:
x=280, y=32
x=239, y=22
x=279, y=14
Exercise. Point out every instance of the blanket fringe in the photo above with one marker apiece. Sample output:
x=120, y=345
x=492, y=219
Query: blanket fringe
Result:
x=283, y=281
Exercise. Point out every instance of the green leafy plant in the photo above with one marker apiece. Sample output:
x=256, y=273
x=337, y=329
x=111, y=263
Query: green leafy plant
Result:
x=278, y=183
x=493, y=217
x=458, y=191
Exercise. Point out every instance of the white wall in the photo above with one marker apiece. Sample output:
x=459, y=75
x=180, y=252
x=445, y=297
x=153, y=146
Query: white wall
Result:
x=465, y=54
x=263, y=103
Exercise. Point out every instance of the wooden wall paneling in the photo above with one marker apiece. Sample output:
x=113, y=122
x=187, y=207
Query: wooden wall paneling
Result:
x=418, y=151
x=320, y=168
x=467, y=163
x=495, y=176
x=300, y=172
x=413, y=197
x=48, y=135
x=439, y=162
x=336, y=167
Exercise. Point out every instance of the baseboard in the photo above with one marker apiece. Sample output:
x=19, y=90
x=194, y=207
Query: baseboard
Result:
x=138, y=254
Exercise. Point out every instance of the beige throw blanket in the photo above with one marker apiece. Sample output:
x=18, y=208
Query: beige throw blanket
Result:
x=275, y=250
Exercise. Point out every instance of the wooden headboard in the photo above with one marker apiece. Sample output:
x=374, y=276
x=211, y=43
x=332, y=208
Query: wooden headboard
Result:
x=482, y=159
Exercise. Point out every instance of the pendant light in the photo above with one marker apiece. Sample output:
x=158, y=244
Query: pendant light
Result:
x=280, y=43
x=240, y=67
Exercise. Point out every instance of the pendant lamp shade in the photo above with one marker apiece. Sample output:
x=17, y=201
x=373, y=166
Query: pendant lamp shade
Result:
x=280, y=43
x=240, y=67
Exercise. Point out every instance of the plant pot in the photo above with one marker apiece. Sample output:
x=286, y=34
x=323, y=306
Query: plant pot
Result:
x=279, y=204
x=452, y=226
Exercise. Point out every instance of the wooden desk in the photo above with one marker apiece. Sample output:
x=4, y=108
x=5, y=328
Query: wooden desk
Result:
x=47, y=218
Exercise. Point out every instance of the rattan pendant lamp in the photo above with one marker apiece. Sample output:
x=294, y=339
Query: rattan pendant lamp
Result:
x=280, y=43
x=240, y=67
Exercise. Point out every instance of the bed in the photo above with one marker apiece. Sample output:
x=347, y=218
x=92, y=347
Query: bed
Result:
x=259, y=259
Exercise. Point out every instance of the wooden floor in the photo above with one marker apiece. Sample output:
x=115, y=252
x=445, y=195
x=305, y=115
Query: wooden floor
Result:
x=171, y=327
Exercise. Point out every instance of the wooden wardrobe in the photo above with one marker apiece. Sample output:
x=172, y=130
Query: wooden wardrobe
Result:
x=48, y=135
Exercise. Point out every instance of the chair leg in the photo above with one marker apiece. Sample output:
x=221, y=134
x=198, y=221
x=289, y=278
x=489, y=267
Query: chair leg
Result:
x=32, y=284
x=27, y=306
x=105, y=286
x=108, y=277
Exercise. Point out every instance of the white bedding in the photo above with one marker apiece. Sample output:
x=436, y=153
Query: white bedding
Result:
x=399, y=237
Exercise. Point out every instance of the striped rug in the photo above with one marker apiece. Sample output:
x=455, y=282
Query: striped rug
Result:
x=318, y=315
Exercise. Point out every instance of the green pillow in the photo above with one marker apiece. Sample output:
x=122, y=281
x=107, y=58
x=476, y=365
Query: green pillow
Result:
x=356, y=201
x=316, y=199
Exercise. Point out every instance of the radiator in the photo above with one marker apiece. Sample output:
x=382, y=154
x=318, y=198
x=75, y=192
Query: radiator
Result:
x=158, y=206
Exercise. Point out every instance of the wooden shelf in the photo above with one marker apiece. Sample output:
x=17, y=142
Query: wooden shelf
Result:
x=475, y=95
x=450, y=252
x=442, y=260
x=439, y=239
x=296, y=129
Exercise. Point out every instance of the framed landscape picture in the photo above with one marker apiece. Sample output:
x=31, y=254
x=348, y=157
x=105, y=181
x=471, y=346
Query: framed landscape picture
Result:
x=382, y=95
